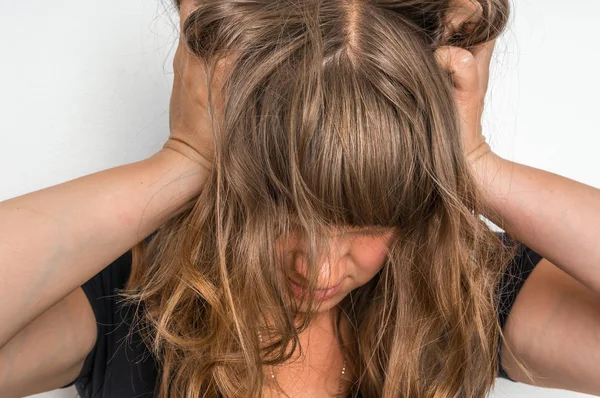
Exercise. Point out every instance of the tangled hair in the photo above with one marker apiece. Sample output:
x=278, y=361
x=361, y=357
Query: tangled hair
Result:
x=336, y=114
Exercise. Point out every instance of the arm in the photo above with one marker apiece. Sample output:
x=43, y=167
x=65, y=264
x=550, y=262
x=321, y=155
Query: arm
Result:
x=54, y=239
x=557, y=217
x=49, y=352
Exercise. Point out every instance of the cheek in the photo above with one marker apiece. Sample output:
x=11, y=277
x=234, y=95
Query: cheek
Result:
x=369, y=256
x=286, y=247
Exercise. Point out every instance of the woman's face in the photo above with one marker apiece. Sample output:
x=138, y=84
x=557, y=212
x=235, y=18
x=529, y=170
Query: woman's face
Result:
x=354, y=258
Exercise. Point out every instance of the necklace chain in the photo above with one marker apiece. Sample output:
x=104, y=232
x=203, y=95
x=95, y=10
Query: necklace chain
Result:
x=340, y=386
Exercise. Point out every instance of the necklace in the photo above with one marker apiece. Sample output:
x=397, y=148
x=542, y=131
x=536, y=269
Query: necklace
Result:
x=340, y=386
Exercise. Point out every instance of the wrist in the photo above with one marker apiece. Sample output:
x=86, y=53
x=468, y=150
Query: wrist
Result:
x=484, y=166
x=492, y=175
x=180, y=178
x=481, y=150
x=176, y=146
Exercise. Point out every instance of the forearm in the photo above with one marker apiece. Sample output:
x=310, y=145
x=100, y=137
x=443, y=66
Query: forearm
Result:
x=54, y=239
x=557, y=217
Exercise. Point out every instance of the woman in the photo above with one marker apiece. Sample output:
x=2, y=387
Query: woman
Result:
x=315, y=233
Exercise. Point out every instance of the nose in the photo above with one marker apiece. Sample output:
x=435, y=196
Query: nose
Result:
x=331, y=265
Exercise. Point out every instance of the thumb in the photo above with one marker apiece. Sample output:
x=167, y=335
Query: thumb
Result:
x=462, y=65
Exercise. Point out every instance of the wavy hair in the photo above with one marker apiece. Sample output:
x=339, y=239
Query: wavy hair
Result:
x=336, y=114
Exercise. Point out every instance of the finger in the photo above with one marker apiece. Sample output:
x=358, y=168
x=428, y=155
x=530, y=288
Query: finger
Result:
x=461, y=64
x=462, y=15
x=483, y=56
x=181, y=59
x=483, y=53
x=185, y=9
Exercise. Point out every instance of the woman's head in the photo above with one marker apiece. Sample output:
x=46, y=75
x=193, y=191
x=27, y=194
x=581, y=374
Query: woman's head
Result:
x=338, y=122
x=354, y=257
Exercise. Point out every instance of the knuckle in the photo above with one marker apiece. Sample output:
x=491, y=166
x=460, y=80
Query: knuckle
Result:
x=465, y=59
x=460, y=54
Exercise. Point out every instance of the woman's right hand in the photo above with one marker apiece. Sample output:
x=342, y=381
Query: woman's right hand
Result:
x=190, y=125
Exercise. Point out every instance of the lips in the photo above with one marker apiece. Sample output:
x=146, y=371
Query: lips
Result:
x=320, y=294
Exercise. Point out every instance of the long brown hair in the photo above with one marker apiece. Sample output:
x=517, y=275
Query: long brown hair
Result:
x=336, y=114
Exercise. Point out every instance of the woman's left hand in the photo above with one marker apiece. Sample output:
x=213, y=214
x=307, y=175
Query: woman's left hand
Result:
x=470, y=73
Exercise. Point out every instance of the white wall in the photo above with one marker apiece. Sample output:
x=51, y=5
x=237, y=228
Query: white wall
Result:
x=85, y=86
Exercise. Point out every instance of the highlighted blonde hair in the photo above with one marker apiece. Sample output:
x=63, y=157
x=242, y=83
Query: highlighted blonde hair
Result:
x=336, y=114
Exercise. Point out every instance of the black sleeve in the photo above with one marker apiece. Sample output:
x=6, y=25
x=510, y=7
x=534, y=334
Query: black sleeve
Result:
x=113, y=322
x=100, y=292
x=512, y=281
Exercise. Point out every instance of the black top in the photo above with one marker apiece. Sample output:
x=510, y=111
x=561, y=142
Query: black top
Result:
x=117, y=368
